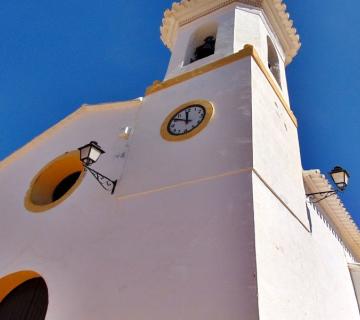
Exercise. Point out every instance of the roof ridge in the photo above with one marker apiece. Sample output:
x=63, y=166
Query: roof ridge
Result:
x=59, y=125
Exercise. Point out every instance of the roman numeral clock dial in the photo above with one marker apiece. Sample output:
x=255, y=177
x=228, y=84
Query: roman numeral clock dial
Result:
x=187, y=120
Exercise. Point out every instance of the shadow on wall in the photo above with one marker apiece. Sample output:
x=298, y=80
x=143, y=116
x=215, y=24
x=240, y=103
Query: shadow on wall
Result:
x=309, y=217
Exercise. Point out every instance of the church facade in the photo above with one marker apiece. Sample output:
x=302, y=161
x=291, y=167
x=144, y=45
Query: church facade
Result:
x=209, y=217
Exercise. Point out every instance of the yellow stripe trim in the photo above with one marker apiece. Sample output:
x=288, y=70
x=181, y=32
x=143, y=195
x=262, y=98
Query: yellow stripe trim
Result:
x=61, y=124
x=184, y=183
x=214, y=177
x=246, y=52
x=274, y=85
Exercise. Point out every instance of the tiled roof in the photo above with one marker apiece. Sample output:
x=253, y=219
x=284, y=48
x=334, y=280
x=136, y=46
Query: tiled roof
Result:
x=335, y=210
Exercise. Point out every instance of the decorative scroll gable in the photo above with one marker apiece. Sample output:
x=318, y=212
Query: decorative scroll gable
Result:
x=186, y=11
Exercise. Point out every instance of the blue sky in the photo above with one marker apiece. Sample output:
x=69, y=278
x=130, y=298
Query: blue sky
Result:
x=58, y=55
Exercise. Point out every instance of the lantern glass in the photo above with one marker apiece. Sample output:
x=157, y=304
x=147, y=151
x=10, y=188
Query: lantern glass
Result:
x=90, y=153
x=346, y=178
x=340, y=177
x=84, y=152
x=94, y=154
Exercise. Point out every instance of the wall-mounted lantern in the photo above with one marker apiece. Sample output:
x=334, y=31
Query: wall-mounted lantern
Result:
x=340, y=178
x=89, y=154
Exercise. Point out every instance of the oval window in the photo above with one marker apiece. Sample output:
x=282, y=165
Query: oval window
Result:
x=28, y=301
x=55, y=182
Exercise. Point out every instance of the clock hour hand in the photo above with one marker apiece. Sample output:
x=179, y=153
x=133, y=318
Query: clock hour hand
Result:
x=187, y=117
x=176, y=119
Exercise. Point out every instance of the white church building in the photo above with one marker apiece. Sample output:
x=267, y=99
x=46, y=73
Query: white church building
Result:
x=209, y=217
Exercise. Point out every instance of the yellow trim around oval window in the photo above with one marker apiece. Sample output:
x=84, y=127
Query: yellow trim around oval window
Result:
x=13, y=280
x=48, y=178
x=209, y=112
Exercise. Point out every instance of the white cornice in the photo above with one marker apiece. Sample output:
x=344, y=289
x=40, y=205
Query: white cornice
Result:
x=335, y=210
x=185, y=11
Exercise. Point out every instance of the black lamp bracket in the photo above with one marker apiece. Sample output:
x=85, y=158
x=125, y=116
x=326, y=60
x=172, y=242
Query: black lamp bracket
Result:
x=105, y=182
x=324, y=194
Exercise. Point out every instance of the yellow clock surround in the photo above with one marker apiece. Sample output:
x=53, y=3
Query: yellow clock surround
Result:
x=209, y=112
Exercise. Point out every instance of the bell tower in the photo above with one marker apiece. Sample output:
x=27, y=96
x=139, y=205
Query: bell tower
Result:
x=246, y=163
x=231, y=25
x=234, y=53
x=215, y=151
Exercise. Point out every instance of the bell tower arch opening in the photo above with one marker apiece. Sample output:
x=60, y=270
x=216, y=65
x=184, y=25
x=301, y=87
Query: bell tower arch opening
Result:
x=202, y=43
x=273, y=61
x=201, y=32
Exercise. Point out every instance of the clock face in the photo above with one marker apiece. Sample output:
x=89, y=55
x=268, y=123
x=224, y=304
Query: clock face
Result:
x=187, y=120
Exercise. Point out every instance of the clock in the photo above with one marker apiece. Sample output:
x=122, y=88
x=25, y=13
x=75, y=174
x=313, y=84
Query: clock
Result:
x=187, y=120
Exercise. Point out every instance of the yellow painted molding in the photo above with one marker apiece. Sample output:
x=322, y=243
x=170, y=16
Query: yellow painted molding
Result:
x=157, y=85
x=40, y=138
x=185, y=183
x=274, y=85
x=209, y=178
x=248, y=51
x=112, y=105
x=46, y=180
x=13, y=280
x=61, y=124
x=209, y=112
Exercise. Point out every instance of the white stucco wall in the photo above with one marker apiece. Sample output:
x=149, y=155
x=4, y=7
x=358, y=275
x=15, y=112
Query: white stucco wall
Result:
x=184, y=248
x=224, y=146
x=276, y=146
x=214, y=227
x=178, y=253
x=301, y=274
